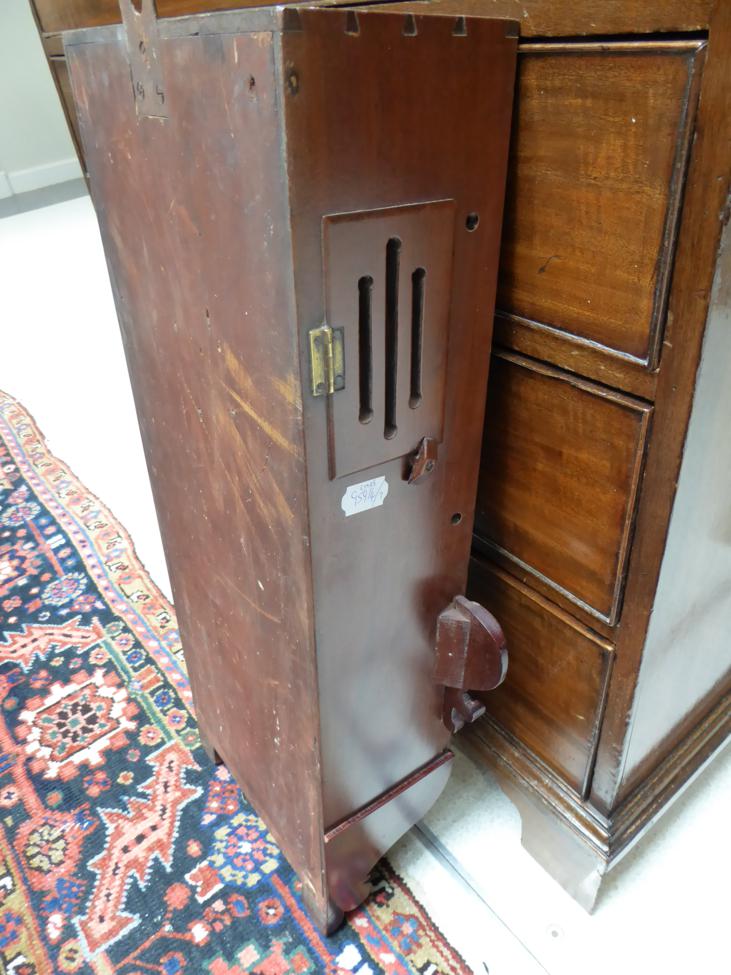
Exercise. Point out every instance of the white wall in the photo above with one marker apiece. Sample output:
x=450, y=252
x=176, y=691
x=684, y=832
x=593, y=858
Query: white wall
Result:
x=35, y=145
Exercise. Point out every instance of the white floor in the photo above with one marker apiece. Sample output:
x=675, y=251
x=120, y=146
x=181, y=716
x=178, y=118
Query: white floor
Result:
x=665, y=910
x=61, y=355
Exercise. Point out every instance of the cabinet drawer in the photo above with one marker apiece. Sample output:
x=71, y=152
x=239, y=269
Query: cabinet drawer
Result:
x=553, y=695
x=560, y=469
x=600, y=140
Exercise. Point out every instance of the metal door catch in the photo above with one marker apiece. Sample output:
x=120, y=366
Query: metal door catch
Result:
x=423, y=460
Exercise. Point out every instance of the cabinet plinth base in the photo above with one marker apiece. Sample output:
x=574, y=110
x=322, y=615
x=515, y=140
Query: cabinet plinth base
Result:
x=572, y=840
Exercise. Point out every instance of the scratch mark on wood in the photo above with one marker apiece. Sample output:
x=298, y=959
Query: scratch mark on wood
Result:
x=270, y=431
x=288, y=389
x=542, y=268
x=264, y=491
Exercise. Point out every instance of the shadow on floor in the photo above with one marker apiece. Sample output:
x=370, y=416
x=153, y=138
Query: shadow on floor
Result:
x=44, y=197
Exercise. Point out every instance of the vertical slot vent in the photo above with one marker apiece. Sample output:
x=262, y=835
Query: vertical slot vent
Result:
x=418, y=282
x=393, y=253
x=365, y=348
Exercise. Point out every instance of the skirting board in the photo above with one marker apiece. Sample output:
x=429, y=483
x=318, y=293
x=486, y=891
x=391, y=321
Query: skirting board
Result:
x=34, y=178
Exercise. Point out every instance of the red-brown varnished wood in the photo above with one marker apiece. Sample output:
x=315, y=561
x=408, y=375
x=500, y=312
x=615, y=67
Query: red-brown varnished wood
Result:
x=354, y=844
x=705, y=214
x=63, y=15
x=555, y=699
x=538, y=341
x=354, y=147
x=59, y=70
x=666, y=711
x=536, y=17
x=598, y=156
x=353, y=251
x=693, y=599
x=470, y=651
x=562, y=459
x=221, y=430
x=573, y=841
x=244, y=188
x=470, y=655
x=564, y=18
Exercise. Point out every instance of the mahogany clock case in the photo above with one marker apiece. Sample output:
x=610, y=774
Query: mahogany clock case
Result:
x=301, y=212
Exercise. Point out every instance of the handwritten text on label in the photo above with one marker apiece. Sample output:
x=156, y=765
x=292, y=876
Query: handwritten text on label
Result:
x=364, y=496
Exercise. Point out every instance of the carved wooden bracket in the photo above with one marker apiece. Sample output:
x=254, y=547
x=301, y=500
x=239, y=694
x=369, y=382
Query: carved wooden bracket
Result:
x=471, y=655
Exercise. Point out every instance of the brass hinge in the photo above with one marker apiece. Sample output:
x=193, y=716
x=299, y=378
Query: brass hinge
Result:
x=327, y=360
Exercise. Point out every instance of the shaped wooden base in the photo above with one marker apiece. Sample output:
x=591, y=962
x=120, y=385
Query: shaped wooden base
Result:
x=572, y=840
x=208, y=748
x=354, y=845
x=328, y=919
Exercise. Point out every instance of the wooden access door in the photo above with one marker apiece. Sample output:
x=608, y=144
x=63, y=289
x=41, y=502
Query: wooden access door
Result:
x=388, y=275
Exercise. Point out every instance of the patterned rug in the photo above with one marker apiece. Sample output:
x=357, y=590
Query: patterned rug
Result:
x=122, y=849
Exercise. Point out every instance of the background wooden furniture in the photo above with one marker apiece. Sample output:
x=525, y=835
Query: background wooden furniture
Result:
x=602, y=538
x=609, y=334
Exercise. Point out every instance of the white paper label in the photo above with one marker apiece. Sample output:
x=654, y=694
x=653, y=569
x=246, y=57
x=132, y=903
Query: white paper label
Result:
x=364, y=496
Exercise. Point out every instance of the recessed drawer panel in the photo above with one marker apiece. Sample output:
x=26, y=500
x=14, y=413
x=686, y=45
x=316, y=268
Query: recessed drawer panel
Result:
x=553, y=695
x=600, y=139
x=560, y=468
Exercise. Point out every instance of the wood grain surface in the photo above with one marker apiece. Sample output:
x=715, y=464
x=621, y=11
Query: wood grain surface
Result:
x=553, y=701
x=599, y=143
x=536, y=17
x=568, y=456
x=220, y=410
x=353, y=146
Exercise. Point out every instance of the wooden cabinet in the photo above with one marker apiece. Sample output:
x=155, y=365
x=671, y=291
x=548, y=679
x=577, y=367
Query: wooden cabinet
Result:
x=613, y=588
x=601, y=529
